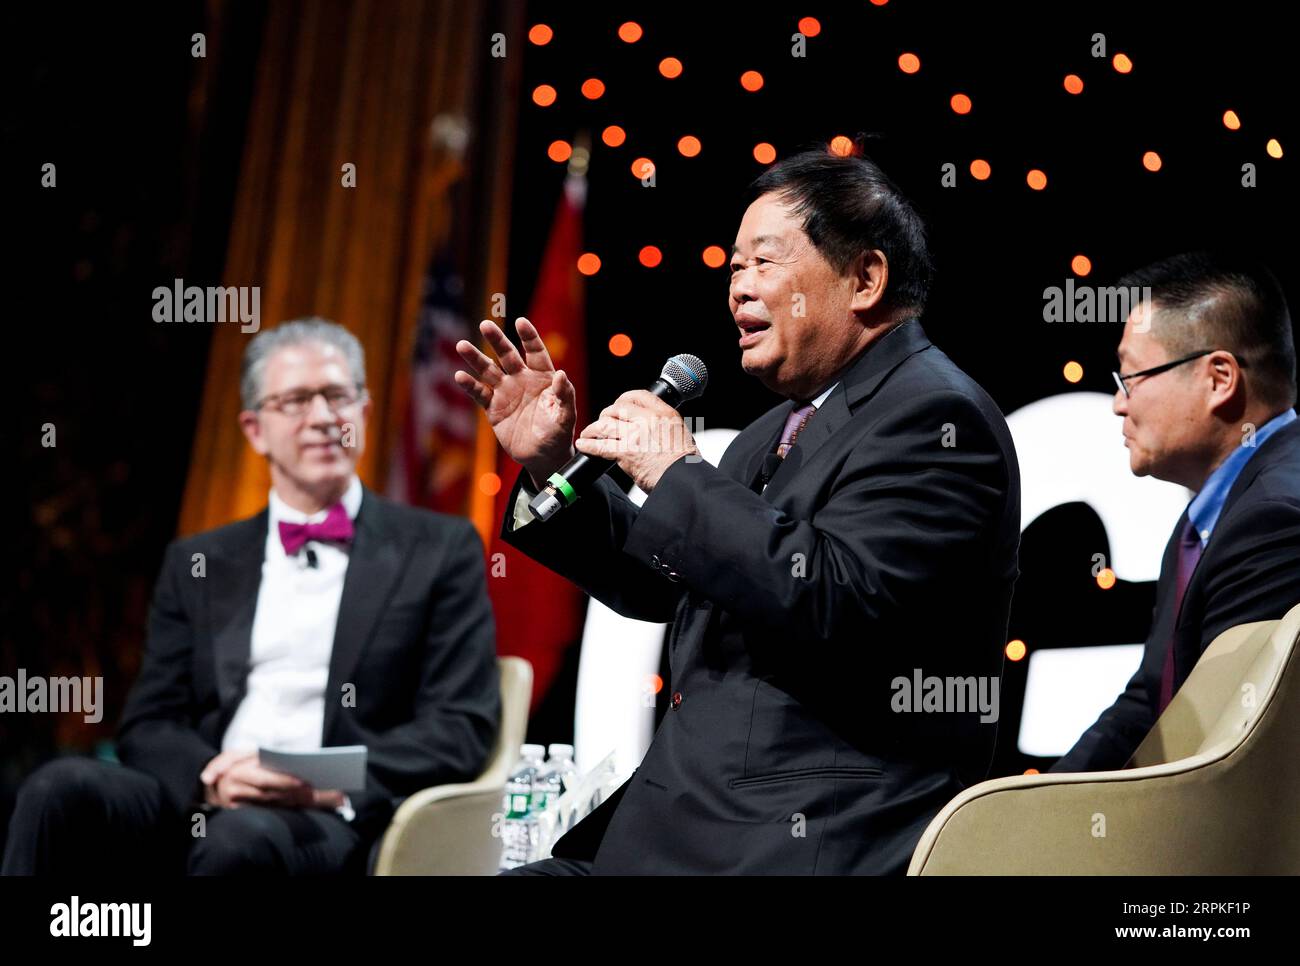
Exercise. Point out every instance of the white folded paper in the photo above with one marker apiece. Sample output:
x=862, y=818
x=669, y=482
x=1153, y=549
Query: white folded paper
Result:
x=326, y=769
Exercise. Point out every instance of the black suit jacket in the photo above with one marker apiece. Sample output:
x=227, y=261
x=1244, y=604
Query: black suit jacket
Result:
x=415, y=635
x=1249, y=571
x=885, y=542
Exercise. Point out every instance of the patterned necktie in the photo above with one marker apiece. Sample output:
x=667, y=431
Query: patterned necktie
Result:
x=336, y=526
x=1189, y=552
x=794, y=425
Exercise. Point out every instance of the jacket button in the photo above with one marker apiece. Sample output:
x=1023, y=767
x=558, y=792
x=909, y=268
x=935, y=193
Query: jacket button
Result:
x=677, y=699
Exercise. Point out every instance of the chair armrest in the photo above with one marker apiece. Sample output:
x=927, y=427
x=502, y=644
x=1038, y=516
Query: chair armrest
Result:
x=1134, y=821
x=445, y=830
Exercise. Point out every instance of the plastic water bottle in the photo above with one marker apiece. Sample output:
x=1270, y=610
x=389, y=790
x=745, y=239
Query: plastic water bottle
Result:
x=547, y=785
x=562, y=756
x=516, y=826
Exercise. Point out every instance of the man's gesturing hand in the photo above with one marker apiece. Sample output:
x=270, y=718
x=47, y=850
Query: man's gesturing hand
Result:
x=642, y=434
x=530, y=406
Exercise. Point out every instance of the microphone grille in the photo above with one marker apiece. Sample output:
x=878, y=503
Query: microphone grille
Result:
x=687, y=373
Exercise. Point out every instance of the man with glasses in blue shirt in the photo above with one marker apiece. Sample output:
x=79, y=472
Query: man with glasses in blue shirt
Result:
x=1206, y=388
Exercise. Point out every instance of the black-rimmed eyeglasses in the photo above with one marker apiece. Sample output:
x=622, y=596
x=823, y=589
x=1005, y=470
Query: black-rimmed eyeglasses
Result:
x=1121, y=379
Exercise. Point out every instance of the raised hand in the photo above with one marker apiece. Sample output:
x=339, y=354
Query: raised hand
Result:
x=530, y=405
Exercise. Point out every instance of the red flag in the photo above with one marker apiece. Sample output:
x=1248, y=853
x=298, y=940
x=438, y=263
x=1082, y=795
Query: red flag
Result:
x=539, y=614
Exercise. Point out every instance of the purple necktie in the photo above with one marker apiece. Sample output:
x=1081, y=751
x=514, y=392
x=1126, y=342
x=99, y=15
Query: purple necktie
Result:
x=336, y=526
x=794, y=424
x=1189, y=552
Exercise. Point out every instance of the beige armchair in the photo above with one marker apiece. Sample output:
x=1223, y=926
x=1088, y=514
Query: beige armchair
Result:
x=448, y=829
x=1214, y=789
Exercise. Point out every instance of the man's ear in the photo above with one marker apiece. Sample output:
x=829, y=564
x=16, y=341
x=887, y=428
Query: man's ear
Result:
x=251, y=423
x=871, y=277
x=1226, y=383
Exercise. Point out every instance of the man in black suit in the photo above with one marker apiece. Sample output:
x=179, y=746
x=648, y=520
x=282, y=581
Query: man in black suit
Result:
x=333, y=617
x=1207, y=386
x=858, y=536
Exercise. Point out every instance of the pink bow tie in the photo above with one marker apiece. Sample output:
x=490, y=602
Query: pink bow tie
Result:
x=337, y=526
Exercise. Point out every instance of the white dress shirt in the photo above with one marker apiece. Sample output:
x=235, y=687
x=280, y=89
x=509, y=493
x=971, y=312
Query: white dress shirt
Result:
x=817, y=403
x=292, y=637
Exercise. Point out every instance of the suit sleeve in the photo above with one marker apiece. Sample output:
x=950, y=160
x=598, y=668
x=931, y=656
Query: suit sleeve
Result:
x=157, y=733
x=905, y=513
x=458, y=702
x=585, y=544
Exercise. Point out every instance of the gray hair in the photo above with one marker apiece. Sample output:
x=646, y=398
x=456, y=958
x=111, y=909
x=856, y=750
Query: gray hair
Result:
x=296, y=332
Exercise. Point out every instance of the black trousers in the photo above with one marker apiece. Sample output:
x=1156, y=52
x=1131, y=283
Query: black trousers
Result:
x=79, y=816
x=553, y=867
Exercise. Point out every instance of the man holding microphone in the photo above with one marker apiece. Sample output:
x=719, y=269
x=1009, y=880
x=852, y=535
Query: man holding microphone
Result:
x=861, y=533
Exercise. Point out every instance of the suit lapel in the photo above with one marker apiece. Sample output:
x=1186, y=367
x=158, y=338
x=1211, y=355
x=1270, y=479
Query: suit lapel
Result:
x=1187, y=649
x=235, y=574
x=833, y=413
x=374, y=564
x=768, y=431
x=859, y=382
x=1164, y=619
x=1267, y=454
x=1258, y=462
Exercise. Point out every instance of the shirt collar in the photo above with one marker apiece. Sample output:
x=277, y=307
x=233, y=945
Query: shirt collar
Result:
x=281, y=511
x=1207, y=505
x=821, y=397
x=817, y=403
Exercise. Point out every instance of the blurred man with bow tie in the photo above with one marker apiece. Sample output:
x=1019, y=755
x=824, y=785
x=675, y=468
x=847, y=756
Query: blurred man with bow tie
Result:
x=333, y=617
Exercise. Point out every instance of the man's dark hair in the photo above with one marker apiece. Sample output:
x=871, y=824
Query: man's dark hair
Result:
x=849, y=206
x=1217, y=300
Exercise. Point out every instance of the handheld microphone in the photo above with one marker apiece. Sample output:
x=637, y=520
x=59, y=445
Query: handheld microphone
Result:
x=684, y=377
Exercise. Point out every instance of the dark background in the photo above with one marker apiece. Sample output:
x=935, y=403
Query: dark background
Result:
x=145, y=195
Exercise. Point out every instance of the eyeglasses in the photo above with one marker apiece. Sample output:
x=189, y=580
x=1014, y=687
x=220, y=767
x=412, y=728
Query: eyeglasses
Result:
x=1122, y=380
x=298, y=401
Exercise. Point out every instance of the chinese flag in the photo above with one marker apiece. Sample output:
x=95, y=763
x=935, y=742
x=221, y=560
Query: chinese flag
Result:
x=539, y=614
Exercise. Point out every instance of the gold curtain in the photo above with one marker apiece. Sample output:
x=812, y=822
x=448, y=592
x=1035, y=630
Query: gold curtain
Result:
x=358, y=82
